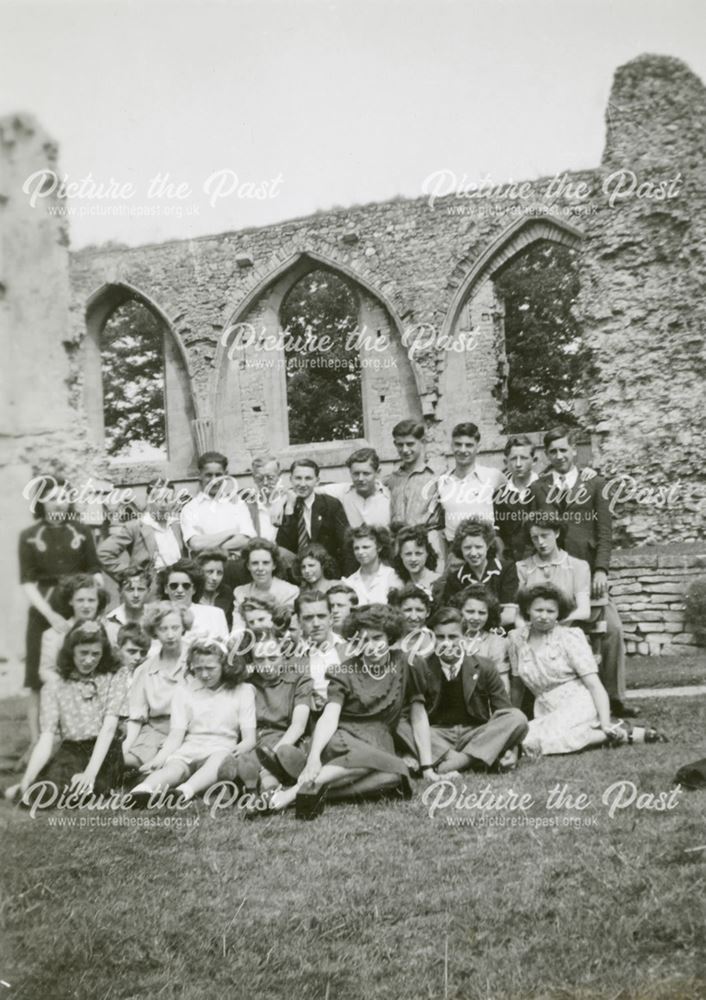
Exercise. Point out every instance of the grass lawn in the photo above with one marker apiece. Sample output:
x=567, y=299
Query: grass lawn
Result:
x=666, y=671
x=376, y=901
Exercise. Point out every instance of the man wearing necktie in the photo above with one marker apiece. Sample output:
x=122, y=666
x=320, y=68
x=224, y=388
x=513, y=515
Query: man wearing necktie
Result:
x=461, y=711
x=587, y=526
x=314, y=517
x=303, y=536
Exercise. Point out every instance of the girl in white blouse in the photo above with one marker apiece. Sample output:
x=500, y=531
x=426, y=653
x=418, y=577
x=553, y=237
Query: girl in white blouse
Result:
x=371, y=549
x=153, y=685
x=213, y=718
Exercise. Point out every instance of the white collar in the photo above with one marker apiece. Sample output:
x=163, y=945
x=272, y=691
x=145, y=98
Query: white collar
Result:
x=309, y=502
x=452, y=670
x=154, y=524
x=520, y=489
x=570, y=478
x=561, y=557
x=379, y=488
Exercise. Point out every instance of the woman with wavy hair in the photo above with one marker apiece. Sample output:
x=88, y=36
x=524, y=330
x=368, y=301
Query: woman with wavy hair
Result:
x=212, y=723
x=263, y=565
x=415, y=559
x=84, y=600
x=314, y=569
x=571, y=707
x=153, y=684
x=372, y=550
x=476, y=561
x=80, y=707
x=56, y=546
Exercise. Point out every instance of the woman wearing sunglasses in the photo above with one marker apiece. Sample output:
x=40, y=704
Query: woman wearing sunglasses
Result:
x=182, y=585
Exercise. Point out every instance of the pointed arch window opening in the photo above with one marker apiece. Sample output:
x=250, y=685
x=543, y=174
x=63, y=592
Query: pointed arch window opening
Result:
x=545, y=361
x=133, y=377
x=319, y=318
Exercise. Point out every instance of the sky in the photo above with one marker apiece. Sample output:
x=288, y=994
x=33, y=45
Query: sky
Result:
x=181, y=118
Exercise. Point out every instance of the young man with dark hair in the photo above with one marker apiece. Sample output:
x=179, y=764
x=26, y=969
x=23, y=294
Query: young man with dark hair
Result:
x=365, y=499
x=341, y=599
x=469, y=488
x=216, y=518
x=586, y=517
x=324, y=647
x=460, y=703
x=314, y=517
x=512, y=500
x=410, y=482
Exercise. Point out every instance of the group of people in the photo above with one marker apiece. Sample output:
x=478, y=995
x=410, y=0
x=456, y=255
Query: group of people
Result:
x=311, y=641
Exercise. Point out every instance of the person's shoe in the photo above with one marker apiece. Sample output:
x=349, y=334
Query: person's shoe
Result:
x=12, y=792
x=285, y=764
x=404, y=789
x=309, y=802
x=508, y=761
x=623, y=711
x=260, y=805
x=138, y=799
x=228, y=771
x=248, y=775
x=131, y=777
x=530, y=752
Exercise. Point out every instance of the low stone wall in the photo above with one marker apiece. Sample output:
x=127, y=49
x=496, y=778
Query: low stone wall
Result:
x=649, y=587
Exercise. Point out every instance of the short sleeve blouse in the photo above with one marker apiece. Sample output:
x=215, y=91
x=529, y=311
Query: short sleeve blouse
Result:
x=76, y=709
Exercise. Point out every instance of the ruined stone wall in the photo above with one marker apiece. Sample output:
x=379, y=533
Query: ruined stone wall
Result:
x=39, y=426
x=649, y=588
x=429, y=268
x=643, y=298
x=424, y=270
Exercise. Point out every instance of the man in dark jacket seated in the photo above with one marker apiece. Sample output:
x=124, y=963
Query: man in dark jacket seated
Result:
x=314, y=517
x=463, y=705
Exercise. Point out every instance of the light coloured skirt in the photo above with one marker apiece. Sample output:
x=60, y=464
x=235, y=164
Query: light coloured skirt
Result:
x=565, y=720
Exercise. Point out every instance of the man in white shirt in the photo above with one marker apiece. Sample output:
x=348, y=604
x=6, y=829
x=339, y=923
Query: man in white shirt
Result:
x=468, y=490
x=324, y=648
x=217, y=518
x=365, y=499
x=266, y=498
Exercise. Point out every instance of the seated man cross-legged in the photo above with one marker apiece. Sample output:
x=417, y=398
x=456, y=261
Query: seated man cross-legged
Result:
x=461, y=706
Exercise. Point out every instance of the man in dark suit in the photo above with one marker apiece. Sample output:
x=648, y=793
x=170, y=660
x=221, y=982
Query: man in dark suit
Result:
x=583, y=508
x=314, y=517
x=471, y=723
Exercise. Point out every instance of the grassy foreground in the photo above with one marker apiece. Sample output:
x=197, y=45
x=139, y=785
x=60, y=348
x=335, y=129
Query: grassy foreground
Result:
x=666, y=671
x=374, y=901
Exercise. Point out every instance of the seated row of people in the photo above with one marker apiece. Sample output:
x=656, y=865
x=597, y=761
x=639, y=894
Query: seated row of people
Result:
x=198, y=712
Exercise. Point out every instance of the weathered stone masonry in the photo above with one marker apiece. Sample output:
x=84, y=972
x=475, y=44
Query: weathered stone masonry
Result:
x=419, y=268
x=416, y=268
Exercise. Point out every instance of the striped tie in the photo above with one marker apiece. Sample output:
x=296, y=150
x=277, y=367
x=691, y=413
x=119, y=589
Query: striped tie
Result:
x=303, y=538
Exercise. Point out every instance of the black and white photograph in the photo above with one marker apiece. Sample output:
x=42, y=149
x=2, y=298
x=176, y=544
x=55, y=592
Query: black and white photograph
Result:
x=353, y=633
